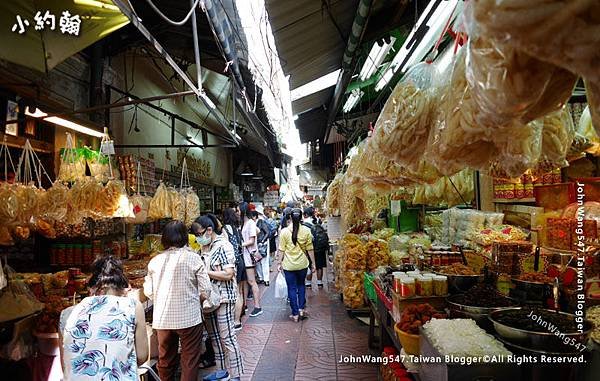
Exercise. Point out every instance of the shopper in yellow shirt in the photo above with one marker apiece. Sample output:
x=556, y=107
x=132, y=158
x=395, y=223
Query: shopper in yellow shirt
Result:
x=295, y=246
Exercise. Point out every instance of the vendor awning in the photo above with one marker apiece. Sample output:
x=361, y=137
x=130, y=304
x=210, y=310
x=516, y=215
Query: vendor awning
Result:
x=62, y=28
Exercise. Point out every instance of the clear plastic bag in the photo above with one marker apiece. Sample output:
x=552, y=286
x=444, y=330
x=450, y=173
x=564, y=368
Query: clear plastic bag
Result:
x=113, y=201
x=592, y=90
x=98, y=164
x=565, y=33
x=280, y=286
x=558, y=132
x=402, y=129
x=140, y=208
x=83, y=197
x=509, y=84
x=519, y=149
x=442, y=192
x=72, y=162
x=16, y=299
x=457, y=140
x=353, y=288
x=54, y=203
x=192, y=206
x=334, y=194
x=9, y=206
x=160, y=206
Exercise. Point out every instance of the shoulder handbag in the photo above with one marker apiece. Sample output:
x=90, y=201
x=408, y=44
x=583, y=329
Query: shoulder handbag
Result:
x=214, y=300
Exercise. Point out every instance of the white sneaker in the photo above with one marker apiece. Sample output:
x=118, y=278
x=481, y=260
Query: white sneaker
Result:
x=308, y=284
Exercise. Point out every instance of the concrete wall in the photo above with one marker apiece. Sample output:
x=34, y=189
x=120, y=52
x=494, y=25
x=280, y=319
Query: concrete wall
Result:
x=155, y=127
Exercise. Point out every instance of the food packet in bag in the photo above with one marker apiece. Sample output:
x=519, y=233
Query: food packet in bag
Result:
x=564, y=33
x=402, y=129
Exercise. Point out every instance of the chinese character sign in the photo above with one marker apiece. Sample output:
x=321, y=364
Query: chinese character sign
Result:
x=44, y=20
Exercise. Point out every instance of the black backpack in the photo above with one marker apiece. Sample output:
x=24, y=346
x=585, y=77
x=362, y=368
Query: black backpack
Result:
x=320, y=237
x=235, y=239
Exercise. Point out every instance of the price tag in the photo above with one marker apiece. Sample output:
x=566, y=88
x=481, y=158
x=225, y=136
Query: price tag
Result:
x=395, y=207
x=107, y=147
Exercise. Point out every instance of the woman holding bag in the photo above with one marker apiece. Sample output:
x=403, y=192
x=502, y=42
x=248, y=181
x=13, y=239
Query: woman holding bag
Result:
x=295, y=246
x=177, y=282
x=219, y=257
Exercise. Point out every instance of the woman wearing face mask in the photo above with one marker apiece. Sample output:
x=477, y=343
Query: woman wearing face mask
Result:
x=220, y=260
x=295, y=246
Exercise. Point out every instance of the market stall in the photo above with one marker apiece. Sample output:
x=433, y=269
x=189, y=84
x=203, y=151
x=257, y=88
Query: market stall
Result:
x=499, y=279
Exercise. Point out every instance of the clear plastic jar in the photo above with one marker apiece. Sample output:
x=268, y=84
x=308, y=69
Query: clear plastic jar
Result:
x=397, y=283
x=426, y=286
x=407, y=287
x=440, y=285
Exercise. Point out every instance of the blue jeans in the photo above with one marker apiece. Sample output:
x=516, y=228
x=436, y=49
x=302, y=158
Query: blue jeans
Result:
x=296, y=289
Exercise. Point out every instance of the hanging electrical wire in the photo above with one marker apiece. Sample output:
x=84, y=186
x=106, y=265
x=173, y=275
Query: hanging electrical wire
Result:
x=164, y=17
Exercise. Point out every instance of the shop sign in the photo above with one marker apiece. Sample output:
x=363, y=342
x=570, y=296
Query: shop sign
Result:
x=42, y=20
x=198, y=168
x=271, y=198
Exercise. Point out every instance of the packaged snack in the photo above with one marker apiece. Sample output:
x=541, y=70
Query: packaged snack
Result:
x=160, y=205
x=564, y=33
x=402, y=129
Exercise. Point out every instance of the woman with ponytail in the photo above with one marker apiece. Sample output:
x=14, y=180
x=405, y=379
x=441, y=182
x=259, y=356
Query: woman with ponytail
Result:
x=105, y=334
x=296, y=247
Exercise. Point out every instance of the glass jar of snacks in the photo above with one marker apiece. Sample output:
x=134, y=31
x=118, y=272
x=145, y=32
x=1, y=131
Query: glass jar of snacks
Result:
x=426, y=286
x=440, y=285
x=407, y=287
x=397, y=276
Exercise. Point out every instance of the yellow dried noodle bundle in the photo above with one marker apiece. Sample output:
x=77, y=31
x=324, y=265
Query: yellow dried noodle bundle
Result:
x=402, y=129
x=192, y=206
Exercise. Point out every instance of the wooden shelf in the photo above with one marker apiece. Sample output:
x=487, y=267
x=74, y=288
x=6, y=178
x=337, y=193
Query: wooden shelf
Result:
x=514, y=200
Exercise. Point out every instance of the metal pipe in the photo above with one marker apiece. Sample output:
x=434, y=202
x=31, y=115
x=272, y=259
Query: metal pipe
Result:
x=124, y=103
x=359, y=25
x=174, y=145
x=196, y=44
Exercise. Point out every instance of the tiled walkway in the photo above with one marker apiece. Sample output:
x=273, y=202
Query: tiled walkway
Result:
x=275, y=348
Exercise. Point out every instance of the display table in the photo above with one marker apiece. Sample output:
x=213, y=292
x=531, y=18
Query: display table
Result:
x=385, y=335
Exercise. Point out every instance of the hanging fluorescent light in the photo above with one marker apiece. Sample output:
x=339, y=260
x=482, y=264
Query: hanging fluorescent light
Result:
x=435, y=24
x=375, y=58
x=352, y=100
x=295, y=117
x=315, y=86
x=238, y=137
x=63, y=122
x=247, y=171
x=385, y=79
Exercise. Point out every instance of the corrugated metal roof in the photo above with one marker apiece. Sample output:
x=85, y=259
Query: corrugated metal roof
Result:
x=308, y=42
x=314, y=100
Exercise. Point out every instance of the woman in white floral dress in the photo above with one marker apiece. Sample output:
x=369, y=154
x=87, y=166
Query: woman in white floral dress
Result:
x=104, y=337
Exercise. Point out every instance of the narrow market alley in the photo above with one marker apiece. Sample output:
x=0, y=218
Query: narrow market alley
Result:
x=275, y=348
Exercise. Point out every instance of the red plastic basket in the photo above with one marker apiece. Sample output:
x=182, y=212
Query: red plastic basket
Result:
x=387, y=302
